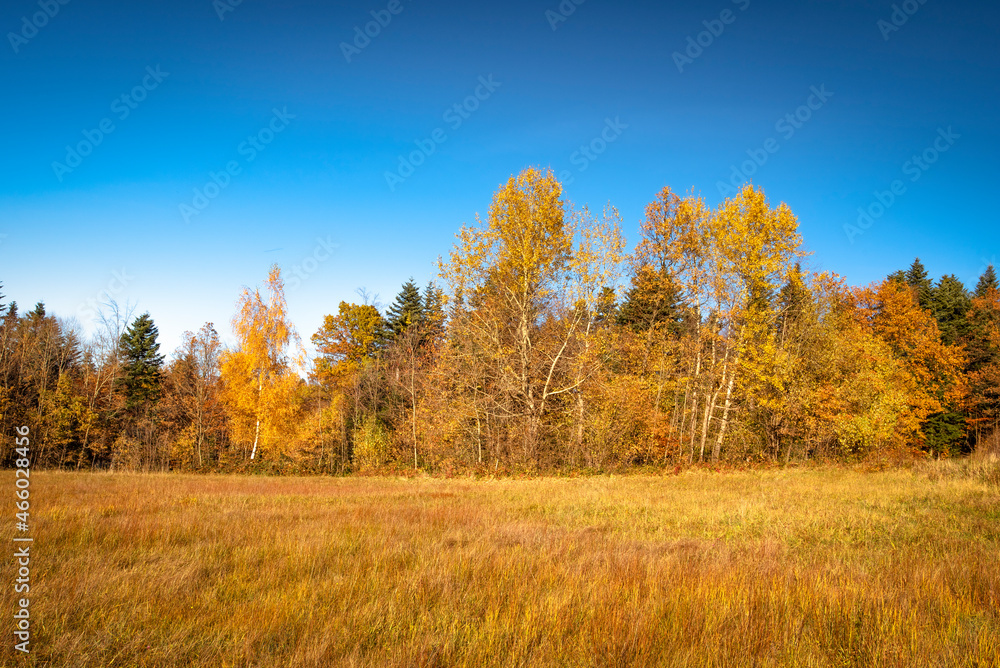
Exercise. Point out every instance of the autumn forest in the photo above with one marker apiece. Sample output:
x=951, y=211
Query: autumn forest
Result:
x=544, y=345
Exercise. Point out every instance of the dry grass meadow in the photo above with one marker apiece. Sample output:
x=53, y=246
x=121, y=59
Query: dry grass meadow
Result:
x=804, y=567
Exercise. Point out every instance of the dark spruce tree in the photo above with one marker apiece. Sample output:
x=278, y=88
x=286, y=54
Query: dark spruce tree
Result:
x=923, y=287
x=433, y=314
x=951, y=309
x=141, y=363
x=946, y=432
x=987, y=282
x=652, y=300
x=898, y=276
x=407, y=310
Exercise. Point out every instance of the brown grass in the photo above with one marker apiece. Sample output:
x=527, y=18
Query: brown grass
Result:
x=823, y=567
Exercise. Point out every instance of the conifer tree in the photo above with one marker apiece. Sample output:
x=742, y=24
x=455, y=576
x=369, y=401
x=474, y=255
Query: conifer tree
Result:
x=433, y=311
x=923, y=287
x=951, y=307
x=141, y=363
x=983, y=349
x=407, y=310
x=792, y=300
x=987, y=282
x=653, y=300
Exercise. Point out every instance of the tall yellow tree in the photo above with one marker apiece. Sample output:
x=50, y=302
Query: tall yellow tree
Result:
x=674, y=257
x=726, y=266
x=259, y=381
x=756, y=248
x=524, y=287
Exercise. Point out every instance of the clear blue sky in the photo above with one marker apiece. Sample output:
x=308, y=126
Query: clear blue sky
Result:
x=323, y=175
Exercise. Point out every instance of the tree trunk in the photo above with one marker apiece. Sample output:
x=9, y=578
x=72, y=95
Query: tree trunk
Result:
x=725, y=419
x=413, y=402
x=256, y=434
x=704, y=424
x=694, y=425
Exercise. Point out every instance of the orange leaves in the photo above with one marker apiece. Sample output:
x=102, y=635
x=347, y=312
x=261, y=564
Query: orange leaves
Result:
x=922, y=376
x=984, y=360
x=894, y=315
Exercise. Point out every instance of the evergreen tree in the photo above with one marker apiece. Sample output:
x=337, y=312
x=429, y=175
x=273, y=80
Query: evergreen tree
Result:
x=792, y=301
x=951, y=304
x=141, y=363
x=923, y=287
x=653, y=299
x=987, y=282
x=407, y=310
x=433, y=314
x=607, y=307
x=982, y=346
x=3, y=307
x=945, y=432
x=898, y=276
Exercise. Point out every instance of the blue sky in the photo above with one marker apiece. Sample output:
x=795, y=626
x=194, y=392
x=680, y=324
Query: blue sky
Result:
x=200, y=92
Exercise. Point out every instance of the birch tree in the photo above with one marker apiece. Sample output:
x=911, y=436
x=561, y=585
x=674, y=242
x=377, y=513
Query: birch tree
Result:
x=258, y=379
x=523, y=283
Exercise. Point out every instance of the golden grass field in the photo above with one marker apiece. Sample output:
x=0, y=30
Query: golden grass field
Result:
x=805, y=567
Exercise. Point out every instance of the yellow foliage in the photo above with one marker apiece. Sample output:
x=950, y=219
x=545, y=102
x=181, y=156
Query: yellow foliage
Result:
x=258, y=383
x=371, y=443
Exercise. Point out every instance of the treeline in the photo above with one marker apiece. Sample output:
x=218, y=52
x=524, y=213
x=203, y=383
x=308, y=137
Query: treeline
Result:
x=545, y=346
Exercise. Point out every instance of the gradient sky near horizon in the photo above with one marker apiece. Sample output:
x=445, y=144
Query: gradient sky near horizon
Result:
x=68, y=235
